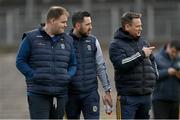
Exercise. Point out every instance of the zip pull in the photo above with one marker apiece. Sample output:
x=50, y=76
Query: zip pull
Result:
x=62, y=43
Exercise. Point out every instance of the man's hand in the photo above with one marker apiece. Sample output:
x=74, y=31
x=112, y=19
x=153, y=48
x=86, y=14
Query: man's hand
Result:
x=148, y=50
x=172, y=71
x=108, y=98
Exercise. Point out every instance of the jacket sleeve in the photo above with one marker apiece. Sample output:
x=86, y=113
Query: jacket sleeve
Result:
x=22, y=59
x=121, y=61
x=163, y=72
x=73, y=63
x=101, y=68
x=152, y=58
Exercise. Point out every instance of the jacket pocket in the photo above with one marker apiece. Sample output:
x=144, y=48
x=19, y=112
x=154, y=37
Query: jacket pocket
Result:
x=30, y=76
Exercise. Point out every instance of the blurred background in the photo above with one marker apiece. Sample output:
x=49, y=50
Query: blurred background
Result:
x=160, y=23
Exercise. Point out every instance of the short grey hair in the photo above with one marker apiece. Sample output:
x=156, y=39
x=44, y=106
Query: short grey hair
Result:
x=128, y=17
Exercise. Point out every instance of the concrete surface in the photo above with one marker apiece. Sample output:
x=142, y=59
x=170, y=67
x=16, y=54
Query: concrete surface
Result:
x=13, y=103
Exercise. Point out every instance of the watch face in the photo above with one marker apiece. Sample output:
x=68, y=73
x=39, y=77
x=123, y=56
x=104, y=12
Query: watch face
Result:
x=109, y=90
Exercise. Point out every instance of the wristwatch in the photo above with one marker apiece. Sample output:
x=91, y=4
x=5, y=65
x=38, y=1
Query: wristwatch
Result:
x=109, y=90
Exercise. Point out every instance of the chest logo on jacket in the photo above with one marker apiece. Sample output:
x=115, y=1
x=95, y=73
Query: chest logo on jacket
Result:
x=41, y=44
x=89, y=47
x=39, y=36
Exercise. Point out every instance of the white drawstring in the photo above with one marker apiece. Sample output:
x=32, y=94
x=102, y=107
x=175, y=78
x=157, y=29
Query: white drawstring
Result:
x=55, y=102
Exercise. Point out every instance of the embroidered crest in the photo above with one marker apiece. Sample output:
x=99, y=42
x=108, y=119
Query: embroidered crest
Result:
x=94, y=108
x=62, y=43
x=89, y=47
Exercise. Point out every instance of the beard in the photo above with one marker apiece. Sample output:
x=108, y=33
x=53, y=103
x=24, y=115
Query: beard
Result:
x=83, y=33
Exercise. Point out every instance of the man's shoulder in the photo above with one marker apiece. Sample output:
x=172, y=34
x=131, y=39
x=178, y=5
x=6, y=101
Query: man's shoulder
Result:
x=68, y=38
x=119, y=42
x=160, y=55
x=92, y=37
x=30, y=33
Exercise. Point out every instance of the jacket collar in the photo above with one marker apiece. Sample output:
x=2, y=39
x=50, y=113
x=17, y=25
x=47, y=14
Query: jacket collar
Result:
x=124, y=35
x=45, y=35
x=74, y=36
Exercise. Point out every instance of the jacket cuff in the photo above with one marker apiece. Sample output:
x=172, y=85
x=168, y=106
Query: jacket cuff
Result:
x=107, y=88
x=142, y=53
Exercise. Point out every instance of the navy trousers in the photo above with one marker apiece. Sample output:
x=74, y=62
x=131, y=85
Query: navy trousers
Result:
x=165, y=109
x=135, y=107
x=41, y=107
x=87, y=103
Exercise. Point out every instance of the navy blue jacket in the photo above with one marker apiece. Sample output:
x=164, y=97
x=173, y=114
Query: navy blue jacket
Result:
x=134, y=73
x=85, y=79
x=47, y=63
x=167, y=87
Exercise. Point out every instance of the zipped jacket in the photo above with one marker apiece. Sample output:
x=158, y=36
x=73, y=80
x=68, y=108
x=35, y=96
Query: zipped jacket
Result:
x=135, y=74
x=47, y=65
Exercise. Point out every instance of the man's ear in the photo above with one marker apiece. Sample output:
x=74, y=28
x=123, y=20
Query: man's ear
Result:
x=127, y=27
x=52, y=21
x=78, y=25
